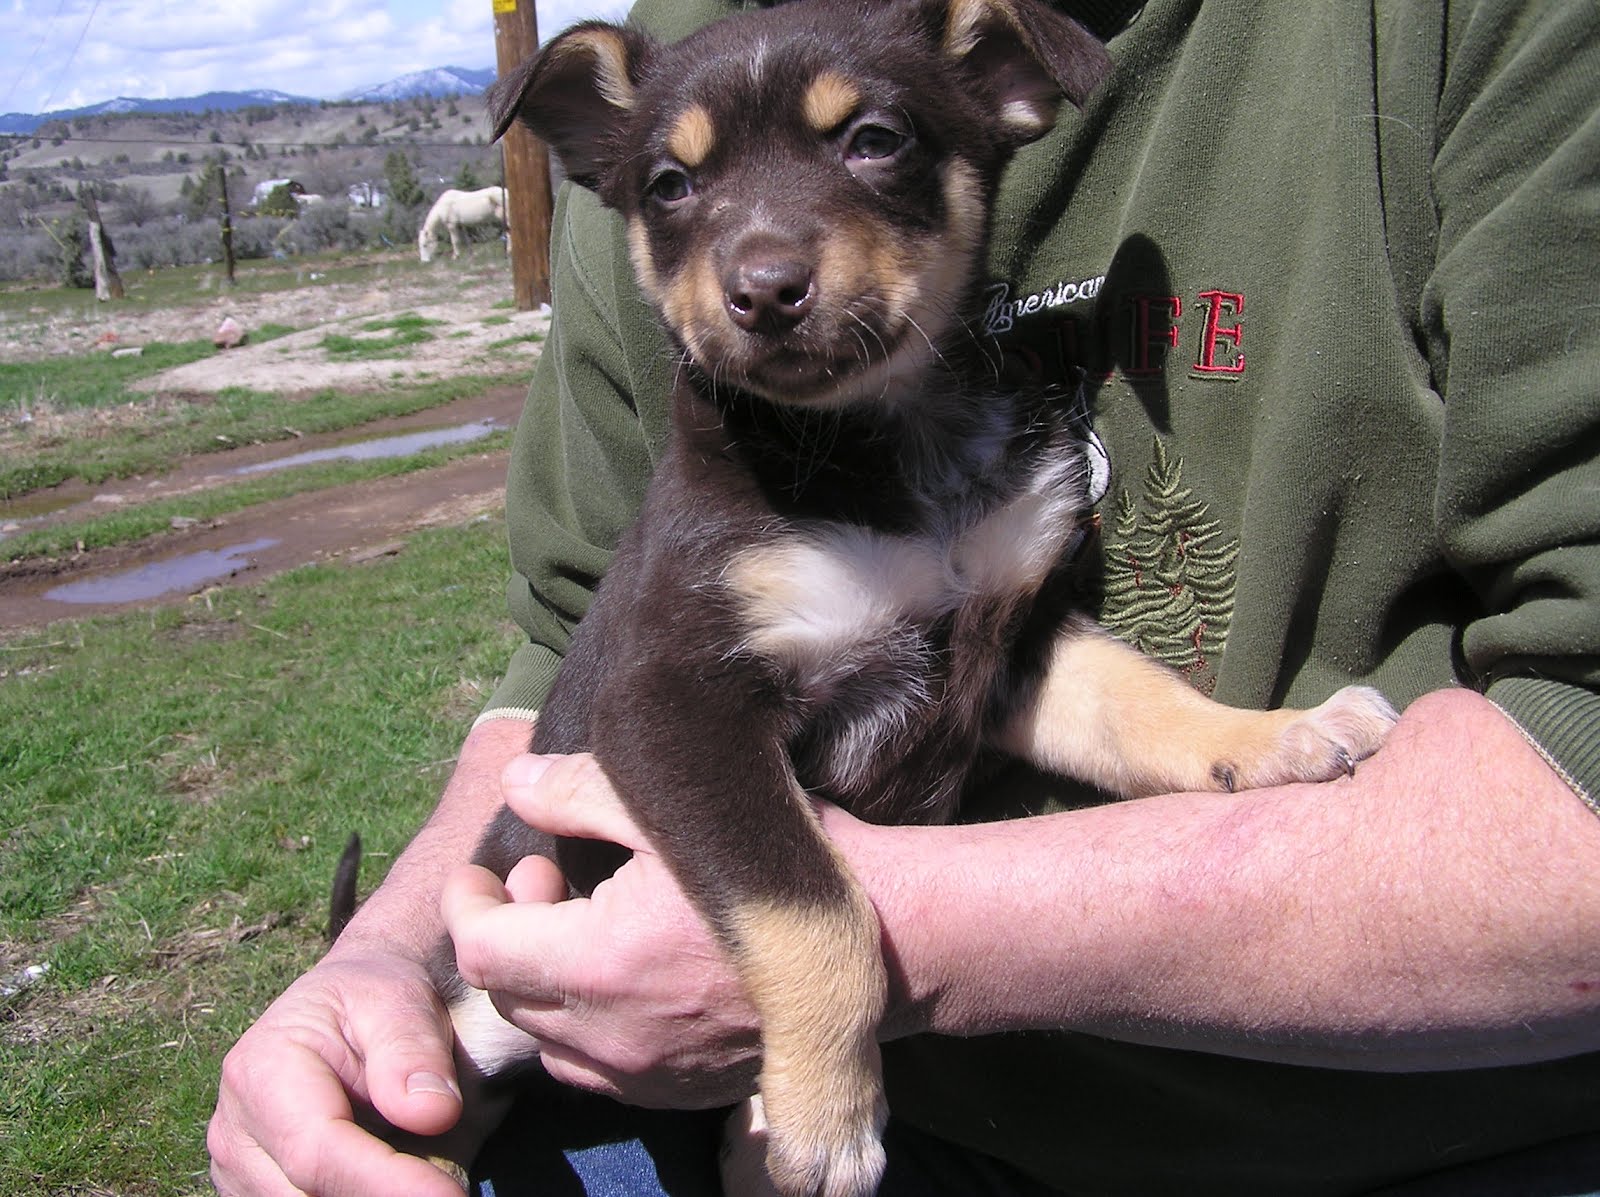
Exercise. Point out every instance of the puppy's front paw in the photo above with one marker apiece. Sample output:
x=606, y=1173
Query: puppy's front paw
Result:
x=832, y=1162
x=827, y=1146
x=1316, y=745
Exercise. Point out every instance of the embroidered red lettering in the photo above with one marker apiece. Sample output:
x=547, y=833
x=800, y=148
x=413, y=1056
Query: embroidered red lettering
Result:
x=1149, y=331
x=1233, y=354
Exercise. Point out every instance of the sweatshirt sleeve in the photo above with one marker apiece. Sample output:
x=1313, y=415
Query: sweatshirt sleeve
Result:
x=584, y=446
x=1513, y=335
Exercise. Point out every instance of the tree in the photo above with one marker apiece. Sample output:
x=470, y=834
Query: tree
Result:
x=280, y=201
x=465, y=180
x=135, y=205
x=71, y=236
x=404, y=190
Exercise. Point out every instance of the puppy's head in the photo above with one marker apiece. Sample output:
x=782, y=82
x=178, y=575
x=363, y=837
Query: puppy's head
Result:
x=807, y=188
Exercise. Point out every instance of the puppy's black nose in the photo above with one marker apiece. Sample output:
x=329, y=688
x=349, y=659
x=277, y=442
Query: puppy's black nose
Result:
x=768, y=294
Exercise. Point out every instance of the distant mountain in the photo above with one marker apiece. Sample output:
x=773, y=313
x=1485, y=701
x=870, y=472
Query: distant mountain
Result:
x=440, y=81
x=220, y=101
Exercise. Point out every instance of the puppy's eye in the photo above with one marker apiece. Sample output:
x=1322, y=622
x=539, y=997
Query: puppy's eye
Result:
x=874, y=141
x=670, y=187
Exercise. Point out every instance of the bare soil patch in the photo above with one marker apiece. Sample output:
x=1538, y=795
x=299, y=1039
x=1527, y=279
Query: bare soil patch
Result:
x=358, y=521
x=498, y=407
x=469, y=328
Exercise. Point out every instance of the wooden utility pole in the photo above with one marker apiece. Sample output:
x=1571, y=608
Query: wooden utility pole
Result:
x=227, y=219
x=527, y=163
x=107, y=282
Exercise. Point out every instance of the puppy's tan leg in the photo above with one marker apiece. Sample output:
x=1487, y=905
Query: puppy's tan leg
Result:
x=815, y=973
x=1108, y=714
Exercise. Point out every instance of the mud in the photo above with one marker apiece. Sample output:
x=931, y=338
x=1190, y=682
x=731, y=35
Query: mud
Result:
x=350, y=522
x=470, y=328
x=497, y=407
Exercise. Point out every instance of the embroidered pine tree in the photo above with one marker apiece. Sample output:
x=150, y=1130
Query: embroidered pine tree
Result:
x=1170, y=573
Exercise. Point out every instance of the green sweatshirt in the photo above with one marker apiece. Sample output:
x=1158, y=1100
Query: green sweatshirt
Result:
x=1329, y=267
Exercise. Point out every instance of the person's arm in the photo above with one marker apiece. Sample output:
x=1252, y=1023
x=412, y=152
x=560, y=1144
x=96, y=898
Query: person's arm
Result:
x=1440, y=909
x=362, y=1028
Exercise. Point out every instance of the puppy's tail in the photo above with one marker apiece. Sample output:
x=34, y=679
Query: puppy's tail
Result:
x=343, y=904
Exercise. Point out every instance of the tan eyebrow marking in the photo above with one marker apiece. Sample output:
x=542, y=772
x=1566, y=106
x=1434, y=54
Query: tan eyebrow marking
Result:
x=829, y=101
x=692, y=137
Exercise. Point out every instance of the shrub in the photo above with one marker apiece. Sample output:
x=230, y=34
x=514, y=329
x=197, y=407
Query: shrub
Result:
x=279, y=202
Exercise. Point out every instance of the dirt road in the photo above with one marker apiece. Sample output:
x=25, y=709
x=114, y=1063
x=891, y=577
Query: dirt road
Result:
x=470, y=326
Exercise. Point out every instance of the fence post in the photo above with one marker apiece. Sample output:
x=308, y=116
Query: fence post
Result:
x=527, y=164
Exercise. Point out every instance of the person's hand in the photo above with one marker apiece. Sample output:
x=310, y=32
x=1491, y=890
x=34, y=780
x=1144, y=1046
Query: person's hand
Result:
x=360, y=1029
x=628, y=991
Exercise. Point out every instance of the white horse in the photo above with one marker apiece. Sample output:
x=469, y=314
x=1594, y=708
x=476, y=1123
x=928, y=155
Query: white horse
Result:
x=452, y=210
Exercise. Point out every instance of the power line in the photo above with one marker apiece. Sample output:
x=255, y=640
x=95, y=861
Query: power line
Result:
x=76, y=46
x=49, y=28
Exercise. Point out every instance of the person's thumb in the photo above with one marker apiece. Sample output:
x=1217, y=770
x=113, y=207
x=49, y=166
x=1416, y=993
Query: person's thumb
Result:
x=410, y=1071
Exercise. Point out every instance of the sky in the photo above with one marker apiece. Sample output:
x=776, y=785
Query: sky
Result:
x=58, y=54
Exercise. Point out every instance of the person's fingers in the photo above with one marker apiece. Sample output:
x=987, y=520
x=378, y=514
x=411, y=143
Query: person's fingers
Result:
x=521, y=947
x=568, y=795
x=344, y=1161
x=535, y=879
x=297, y=1136
x=574, y=1068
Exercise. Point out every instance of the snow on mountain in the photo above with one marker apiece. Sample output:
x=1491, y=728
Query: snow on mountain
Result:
x=439, y=81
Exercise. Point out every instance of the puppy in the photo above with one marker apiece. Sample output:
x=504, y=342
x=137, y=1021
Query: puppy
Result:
x=846, y=580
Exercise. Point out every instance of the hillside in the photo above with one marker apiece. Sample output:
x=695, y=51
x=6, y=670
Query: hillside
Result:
x=214, y=101
x=145, y=167
x=328, y=140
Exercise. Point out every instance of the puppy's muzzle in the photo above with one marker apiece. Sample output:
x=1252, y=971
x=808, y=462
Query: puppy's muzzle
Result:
x=769, y=291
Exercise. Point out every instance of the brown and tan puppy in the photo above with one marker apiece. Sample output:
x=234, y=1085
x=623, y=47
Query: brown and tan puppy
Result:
x=846, y=580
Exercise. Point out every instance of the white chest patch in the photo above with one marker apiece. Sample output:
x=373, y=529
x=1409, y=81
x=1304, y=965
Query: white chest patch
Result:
x=813, y=599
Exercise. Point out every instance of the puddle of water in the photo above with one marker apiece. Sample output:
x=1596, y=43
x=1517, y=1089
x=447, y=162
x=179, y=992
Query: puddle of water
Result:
x=176, y=574
x=402, y=445
x=31, y=507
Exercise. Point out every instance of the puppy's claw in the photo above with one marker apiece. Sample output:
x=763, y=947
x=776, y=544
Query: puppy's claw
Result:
x=1321, y=744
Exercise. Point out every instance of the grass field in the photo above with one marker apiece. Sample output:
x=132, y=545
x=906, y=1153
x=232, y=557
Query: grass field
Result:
x=166, y=433
x=175, y=788
x=178, y=285
x=176, y=784
x=101, y=380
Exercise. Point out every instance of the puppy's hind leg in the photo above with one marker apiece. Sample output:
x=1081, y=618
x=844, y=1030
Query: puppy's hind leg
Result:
x=1106, y=713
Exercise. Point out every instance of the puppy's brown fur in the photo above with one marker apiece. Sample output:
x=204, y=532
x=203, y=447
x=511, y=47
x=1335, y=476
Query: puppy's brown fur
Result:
x=845, y=580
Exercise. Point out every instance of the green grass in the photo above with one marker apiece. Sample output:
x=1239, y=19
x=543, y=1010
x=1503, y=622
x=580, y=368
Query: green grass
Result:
x=124, y=525
x=175, y=787
x=532, y=338
x=98, y=379
x=177, y=286
x=236, y=417
x=404, y=330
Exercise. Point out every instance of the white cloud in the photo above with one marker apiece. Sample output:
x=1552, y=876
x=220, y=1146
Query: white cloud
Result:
x=67, y=53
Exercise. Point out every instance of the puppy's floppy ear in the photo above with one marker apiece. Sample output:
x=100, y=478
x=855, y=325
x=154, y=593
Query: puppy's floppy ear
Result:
x=1026, y=55
x=574, y=94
